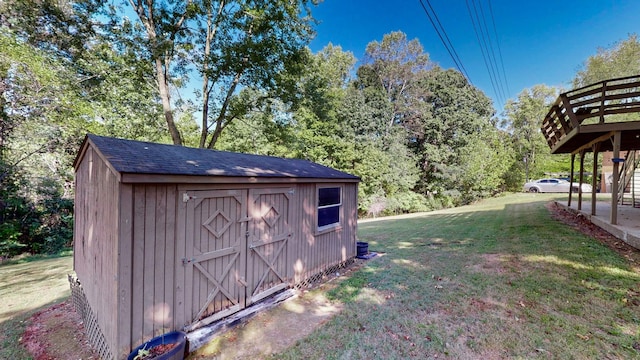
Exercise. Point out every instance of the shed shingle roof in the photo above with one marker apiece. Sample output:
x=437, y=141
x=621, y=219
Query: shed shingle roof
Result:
x=137, y=157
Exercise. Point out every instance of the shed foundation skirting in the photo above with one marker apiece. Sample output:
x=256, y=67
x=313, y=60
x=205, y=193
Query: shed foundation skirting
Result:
x=91, y=327
x=317, y=277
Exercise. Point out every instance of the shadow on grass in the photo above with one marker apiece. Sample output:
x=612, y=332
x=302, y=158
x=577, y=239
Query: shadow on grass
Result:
x=29, y=286
x=497, y=279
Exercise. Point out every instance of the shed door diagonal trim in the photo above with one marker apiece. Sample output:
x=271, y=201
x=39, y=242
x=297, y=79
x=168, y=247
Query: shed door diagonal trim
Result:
x=269, y=232
x=215, y=255
x=236, y=250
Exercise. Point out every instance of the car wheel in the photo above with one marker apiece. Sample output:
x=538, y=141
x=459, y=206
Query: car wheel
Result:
x=533, y=190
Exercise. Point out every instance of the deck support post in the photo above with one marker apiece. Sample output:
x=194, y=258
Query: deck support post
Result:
x=616, y=178
x=573, y=158
x=594, y=149
x=581, y=179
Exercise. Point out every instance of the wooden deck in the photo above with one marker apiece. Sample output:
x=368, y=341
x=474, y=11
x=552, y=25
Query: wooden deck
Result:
x=590, y=115
x=604, y=116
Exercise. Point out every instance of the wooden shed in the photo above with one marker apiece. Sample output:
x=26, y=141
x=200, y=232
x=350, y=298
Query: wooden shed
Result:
x=173, y=238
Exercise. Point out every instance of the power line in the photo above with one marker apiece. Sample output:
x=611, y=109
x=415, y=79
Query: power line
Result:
x=447, y=44
x=484, y=55
x=491, y=53
x=448, y=41
x=504, y=73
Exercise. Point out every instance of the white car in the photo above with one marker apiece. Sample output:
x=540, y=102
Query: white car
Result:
x=554, y=186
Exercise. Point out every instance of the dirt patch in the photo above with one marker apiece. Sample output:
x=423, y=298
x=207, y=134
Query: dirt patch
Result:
x=283, y=325
x=490, y=264
x=57, y=333
x=583, y=225
x=272, y=331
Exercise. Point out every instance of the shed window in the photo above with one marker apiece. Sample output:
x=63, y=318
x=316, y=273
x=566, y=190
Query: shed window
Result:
x=329, y=202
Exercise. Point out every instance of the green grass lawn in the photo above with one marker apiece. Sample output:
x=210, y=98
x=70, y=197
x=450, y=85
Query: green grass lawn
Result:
x=500, y=279
x=26, y=287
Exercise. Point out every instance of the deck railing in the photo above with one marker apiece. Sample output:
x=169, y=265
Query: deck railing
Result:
x=603, y=102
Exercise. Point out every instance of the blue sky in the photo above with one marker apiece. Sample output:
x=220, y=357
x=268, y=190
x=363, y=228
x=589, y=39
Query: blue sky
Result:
x=541, y=41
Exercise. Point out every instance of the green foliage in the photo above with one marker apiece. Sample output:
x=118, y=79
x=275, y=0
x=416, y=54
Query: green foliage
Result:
x=407, y=202
x=458, y=127
x=54, y=230
x=229, y=46
x=40, y=225
x=10, y=244
x=486, y=161
x=43, y=119
x=523, y=118
x=620, y=60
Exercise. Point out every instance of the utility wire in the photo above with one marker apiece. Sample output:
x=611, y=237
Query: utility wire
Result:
x=448, y=41
x=489, y=49
x=484, y=56
x=504, y=73
x=447, y=44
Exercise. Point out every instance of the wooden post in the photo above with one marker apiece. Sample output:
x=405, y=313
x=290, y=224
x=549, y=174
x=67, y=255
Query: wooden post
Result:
x=595, y=147
x=616, y=178
x=573, y=158
x=582, y=152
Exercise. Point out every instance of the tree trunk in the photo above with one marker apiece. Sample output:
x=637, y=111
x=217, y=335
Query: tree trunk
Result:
x=162, y=69
x=163, y=87
x=212, y=27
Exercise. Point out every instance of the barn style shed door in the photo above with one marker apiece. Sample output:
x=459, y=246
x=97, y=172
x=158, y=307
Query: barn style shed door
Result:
x=235, y=249
x=215, y=253
x=269, y=234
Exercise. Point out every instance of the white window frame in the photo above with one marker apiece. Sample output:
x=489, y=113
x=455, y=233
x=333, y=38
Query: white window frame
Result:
x=333, y=226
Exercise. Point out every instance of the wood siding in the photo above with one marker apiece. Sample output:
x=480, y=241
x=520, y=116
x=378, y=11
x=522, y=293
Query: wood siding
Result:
x=158, y=257
x=316, y=252
x=95, y=240
x=148, y=257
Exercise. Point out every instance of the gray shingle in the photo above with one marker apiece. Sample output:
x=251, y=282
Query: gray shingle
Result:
x=136, y=157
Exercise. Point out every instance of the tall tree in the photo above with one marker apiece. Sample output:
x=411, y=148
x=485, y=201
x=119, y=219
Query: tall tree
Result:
x=397, y=66
x=620, y=60
x=41, y=116
x=229, y=44
x=319, y=134
x=121, y=90
x=522, y=119
x=460, y=115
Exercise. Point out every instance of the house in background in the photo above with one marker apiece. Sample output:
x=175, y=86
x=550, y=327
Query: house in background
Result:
x=174, y=238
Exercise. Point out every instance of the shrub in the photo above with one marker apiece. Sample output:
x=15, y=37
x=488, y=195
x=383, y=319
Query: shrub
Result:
x=10, y=244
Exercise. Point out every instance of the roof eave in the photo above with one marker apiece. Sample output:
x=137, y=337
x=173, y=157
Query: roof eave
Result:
x=138, y=178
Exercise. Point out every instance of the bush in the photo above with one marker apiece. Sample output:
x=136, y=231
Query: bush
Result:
x=10, y=244
x=53, y=231
x=407, y=202
x=39, y=223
